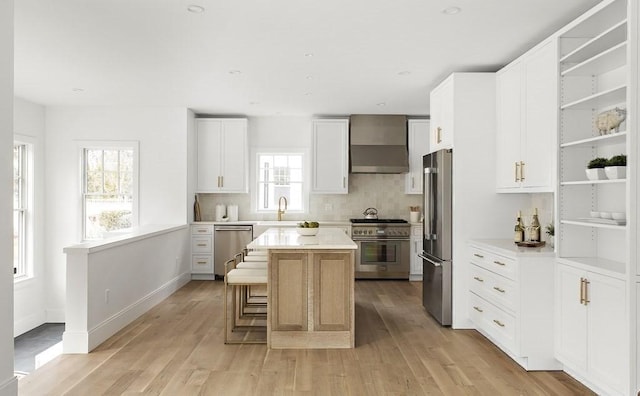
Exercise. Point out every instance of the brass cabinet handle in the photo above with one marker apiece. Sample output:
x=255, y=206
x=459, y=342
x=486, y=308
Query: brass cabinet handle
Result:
x=478, y=255
x=201, y=230
x=221, y=181
x=499, y=323
x=344, y=182
x=499, y=263
x=413, y=182
x=478, y=309
x=516, y=167
x=586, y=291
x=438, y=135
x=581, y=290
x=498, y=289
x=521, y=171
x=201, y=244
x=201, y=262
x=218, y=181
x=478, y=279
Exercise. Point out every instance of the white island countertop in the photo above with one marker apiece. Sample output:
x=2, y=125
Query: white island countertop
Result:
x=288, y=238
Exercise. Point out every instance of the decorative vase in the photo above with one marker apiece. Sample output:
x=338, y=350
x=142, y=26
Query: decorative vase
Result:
x=596, y=174
x=615, y=172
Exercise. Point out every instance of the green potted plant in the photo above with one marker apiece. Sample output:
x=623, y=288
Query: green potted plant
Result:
x=595, y=168
x=550, y=230
x=616, y=167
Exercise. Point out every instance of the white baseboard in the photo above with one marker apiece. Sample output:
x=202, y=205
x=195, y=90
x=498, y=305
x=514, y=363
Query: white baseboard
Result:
x=30, y=322
x=84, y=342
x=55, y=316
x=9, y=387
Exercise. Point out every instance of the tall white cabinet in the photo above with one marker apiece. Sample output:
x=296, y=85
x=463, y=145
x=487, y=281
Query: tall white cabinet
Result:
x=595, y=308
x=330, y=168
x=526, y=93
x=223, y=160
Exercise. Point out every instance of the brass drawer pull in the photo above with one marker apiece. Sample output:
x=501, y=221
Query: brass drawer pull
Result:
x=202, y=244
x=202, y=230
x=478, y=309
x=499, y=263
x=201, y=262
x=478, y=279
x=478, y=255
x=498, y=289
x=499, y=323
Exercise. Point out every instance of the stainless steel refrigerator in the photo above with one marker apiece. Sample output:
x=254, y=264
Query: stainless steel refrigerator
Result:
x=436, y=254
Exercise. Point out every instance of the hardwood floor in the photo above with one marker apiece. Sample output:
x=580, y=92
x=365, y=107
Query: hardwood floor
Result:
x=177, y=349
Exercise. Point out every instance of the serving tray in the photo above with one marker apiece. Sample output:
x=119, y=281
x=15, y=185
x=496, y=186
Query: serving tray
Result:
x=531, y=244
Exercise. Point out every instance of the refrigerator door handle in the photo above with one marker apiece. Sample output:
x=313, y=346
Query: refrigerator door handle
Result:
x=435, y=264
x=429, y=204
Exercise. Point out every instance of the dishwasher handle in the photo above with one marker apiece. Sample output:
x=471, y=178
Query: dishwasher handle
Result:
x=233, y=228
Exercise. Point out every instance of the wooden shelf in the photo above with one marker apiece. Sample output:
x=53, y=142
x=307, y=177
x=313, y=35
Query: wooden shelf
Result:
x=599, y=100
x=586, y=182
x=596, y=264
x=605, y=61
x=583, y=223
x=597, y=140
x=607, y=39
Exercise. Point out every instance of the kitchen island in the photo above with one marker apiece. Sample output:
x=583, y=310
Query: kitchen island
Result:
x=311, y=301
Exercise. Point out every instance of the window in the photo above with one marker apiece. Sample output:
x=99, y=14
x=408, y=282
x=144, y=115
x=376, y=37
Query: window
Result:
x=280, y=175
x=22, y=183
x=109, y=190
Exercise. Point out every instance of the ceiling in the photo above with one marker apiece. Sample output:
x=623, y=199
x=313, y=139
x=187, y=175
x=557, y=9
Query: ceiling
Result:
x=268, y=57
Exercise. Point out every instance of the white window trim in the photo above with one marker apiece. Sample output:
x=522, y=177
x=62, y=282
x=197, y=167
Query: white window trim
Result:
x=29, y=244
x=105, y=145
x=306, y=176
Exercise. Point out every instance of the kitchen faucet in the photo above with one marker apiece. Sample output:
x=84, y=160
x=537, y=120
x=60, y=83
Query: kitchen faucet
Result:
x=281, y=211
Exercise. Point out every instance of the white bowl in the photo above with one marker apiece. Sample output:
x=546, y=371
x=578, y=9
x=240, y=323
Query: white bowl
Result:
x=605, y=215
x=594, y=214
x=307, y=231
x=618, y=215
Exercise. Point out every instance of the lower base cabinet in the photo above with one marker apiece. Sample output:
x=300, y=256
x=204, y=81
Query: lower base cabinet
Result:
x=511, y=300
x=202, y=252
x=592, y=328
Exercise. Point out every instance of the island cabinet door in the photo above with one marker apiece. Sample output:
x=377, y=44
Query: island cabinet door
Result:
x=288, y=291
x=332, y=292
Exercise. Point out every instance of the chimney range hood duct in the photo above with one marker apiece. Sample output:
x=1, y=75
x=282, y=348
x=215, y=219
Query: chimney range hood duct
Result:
x=378, y=144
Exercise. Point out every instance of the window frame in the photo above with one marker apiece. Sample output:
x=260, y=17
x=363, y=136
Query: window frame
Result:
x=255, y=179
x=133, y=145
x=25, y=268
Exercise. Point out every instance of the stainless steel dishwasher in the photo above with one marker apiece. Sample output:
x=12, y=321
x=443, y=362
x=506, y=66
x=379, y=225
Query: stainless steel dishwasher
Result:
x=229, y=240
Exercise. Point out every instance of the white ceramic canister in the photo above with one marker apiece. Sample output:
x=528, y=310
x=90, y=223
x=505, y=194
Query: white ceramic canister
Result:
x=232, y=212
x=221, y=212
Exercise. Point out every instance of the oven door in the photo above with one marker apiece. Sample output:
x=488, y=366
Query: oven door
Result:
x=377, y=259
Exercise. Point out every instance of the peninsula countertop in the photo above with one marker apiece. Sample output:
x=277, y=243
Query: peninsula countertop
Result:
x=288, y=238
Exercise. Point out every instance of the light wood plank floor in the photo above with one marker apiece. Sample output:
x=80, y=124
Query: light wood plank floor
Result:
x=177, y=349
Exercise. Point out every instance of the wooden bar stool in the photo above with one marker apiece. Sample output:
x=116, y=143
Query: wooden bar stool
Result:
x=236, y=278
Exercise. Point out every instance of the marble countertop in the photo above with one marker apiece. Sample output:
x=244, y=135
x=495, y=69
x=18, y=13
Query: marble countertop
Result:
x=288, y=238
x=272, y=223
x=508, y=248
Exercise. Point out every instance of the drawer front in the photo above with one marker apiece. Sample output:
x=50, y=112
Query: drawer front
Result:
x=499, y=290
x=201, y=245
x=505, y=266
x=201, y=264
x=201, y=230
x=416, y=231
x=500, y=325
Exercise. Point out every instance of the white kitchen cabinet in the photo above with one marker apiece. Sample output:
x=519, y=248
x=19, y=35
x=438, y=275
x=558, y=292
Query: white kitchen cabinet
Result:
x=506, y=302
x=442, y=113
x=222, y=155
x=592, y=335
x=202, y=252
x=415, y=270
x=526, y=93
x=418, y=147
x=330, y=167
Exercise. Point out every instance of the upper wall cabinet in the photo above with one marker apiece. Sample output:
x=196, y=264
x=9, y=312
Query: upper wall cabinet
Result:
x=441, y=109
x=330, y=169
x=222, y=155
x=527, y=121
x=418, y=146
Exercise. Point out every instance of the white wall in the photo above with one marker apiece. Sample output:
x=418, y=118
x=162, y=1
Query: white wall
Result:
x=29, y=309
x=8, y=383
x=162, y=135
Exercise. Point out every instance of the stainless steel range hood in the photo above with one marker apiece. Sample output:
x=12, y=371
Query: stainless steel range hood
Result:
x=378, y=144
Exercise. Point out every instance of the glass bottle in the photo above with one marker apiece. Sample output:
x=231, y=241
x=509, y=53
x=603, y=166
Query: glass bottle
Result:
x=518, y=231
x=535, y=227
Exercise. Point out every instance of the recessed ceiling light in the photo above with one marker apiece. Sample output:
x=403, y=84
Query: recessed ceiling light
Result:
x=309, y=77
x=235, y=72
x=308, y=55
x=78, y=89
x=381, y=104
x=404, y=73
x=308, y=94
x=254, y=103
x=451, y=10
x=196, y=9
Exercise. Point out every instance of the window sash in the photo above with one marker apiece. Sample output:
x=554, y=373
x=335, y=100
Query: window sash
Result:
x=280, y=175
x=20, y=211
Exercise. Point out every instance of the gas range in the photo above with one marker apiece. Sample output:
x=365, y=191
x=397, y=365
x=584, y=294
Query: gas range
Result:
x=380, y=229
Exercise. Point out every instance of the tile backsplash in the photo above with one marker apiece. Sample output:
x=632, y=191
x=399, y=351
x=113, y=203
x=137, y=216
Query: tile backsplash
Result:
x=385, y=192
